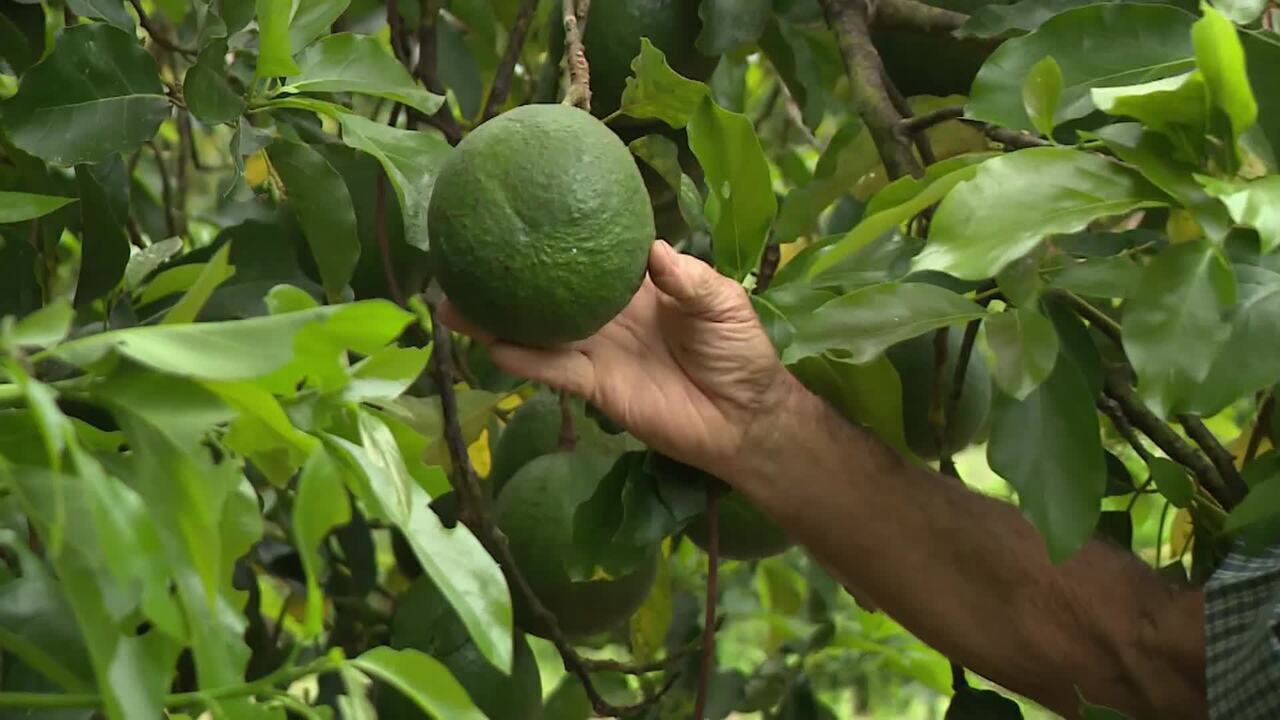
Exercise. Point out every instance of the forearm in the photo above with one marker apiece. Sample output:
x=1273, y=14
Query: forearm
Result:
x=970, y=576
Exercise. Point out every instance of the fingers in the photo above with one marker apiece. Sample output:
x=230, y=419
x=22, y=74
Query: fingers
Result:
x=561, y=368
x=695, y=286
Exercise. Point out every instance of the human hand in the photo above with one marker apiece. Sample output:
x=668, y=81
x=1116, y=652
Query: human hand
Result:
x=686, y=367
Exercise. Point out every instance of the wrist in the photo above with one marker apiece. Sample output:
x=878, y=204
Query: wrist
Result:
x=780, y=426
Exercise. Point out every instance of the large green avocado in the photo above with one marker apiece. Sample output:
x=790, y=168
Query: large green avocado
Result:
x=914, y=361
x=745, y=533
x=536, y=512
x=534, y=431
x=540, y=225
x=612, y=42
x=423, y=620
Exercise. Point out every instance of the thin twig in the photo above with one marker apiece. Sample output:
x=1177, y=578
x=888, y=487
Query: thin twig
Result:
x=766, y=108
x=1100, y=320
x=158, y=36
x=770, y=259
x=476, y=512
x=912, y=125
x=900, y=103
x=849, y=21
x=915, y=15
x=709, y=614
x=1260, y=426
x=957, y=388
x=577, y=71
x=1221, y=457
x=166, y=190
x=1165, y=438
x=1122, y=425
x=1016, y=139
x=506, y=67
x=395, y=27
x=426, y=71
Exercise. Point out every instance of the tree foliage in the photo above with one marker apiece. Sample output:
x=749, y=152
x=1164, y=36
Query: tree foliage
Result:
x=231, y=436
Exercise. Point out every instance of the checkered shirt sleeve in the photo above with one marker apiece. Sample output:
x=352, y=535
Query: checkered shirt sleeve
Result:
x=1242, y=631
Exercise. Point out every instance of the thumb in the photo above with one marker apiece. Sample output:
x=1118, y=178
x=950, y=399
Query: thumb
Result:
x=694, y=285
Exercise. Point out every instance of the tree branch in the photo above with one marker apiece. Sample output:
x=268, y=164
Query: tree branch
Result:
x=577, y=71
x=848, y=19
x=1100, y=320
x=1221, y=457
x=476, y=512
x=166, y=191
x=903, y=107
x=915, y=15
x=1015, y=139
x=426, y=71
x=1260, y=423
x=157, y=35
x=1165, y=438
x=920, y=123
x=506, y=67
x=770, y=259
x=1122, y=425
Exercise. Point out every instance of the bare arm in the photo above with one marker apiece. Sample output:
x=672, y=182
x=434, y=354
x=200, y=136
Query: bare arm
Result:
x=688, y=369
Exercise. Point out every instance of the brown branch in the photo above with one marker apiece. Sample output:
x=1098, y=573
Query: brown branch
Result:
x=157, y=35
x=919, y=123
x=1221, y=457
x=709, y=616
x=770, y=259
x=937, y=406
x=1122, y=425
x=577, y=71
x=848, y=19
x=166, y=191
x=426, y=71
x=1165, y=438
x=957, y=388
x=506, y=67
x=915, y=15
x=476, y=512
x=1098, y=319
x=1016, y=139
x=395, y=27
x=1260, y=423
x=900, y=103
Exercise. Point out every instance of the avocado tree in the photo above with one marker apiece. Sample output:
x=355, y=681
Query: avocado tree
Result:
x=244, y=474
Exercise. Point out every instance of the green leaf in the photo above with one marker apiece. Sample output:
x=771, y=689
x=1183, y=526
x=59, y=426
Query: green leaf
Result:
x=1155, y=157
x=213, y=274
x=320, y=505
x=387, y=373
x=1245, y=363
x=1172, y=480
x=989, y=21
x=1262, y=55
x=240, y=349
x=382, y=452
x=849, y=155
x=860, y=325
x=1041, y=93
x=1024, y=347
x=1114, y=276
x=322, y=204
x=104, y=216
x=96, y=94
x=1128, y=43
x=411, y=160
x=312, y=18
x=1220, y=57
x=422, y=679
x=1254, y=204
x=972, y=704
x=1089, y=711
x=360, y=64
x=19, y=206
x=1258, y=515
x=1048, y=447
x=44, y=327
x=916, y=195
x=740, y=200
x=1174, y=325
x=22, y=35
x=728, y=25
x=1015, y=200
x=796, y=55
x=657, y=91
x=275, y=52
x=869, y=394
x=209, y=96
x=1162, y=105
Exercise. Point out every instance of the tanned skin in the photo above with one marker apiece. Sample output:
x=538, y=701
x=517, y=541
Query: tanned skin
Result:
x=687, y=368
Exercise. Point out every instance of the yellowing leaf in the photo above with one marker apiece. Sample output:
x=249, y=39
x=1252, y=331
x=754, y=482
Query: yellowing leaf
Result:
x=478, y=451
x=256, y=171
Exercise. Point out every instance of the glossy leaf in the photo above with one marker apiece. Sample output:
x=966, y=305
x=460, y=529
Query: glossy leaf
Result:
x=320, y=506
x=411, y=161
x=1129, y=43
x=740, y=200
x=795, y=54
x=275, y=52
x=1162, y=105
x=19, y=206
x=1220, y=57
x=387, y=373
x=360, y=64
x=1258, y=515
x=422, y=679
x=1243, y=364
x=860, y=325
x=209, y=96
x=1014, y=201
x=1241, y=12
x=44, y=327
x=322, y=204
x=1114, y=276
x=728, y=25
x=312, y=18
x=1041, y=93
x=1174, y=325
x=1024, y=347
x=192, y=301
x=1262, y=56
x=104, y=215
x=656, y=91
x=239, y=349
x=989, y=21
x=849, y=155
x=96, y=94
x=1254, y=204
x=869, y=394
x=1048, y=447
